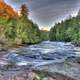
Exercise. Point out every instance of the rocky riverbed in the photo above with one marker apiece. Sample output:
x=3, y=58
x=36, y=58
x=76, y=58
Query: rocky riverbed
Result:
x=44, y=61
x=32, y=75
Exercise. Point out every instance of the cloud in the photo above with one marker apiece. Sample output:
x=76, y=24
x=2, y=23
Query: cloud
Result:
x=47, y=12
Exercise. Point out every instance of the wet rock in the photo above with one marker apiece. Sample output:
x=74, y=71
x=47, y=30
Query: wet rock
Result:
x=32, y=76
x=73, y=60
x=20, y=77
x=26, y=76
x=53, y=76
x=48, y=78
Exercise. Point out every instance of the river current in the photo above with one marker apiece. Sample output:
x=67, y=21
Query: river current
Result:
x=59, y=57
x=46, y=52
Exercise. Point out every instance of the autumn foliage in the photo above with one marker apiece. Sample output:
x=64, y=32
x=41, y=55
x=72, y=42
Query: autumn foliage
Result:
x=6, y=10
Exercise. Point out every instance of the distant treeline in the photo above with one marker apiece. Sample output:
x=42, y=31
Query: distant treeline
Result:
x=68, y=30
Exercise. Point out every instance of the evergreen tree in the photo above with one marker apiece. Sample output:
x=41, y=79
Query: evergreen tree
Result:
x=68, y=30
x=24, y=10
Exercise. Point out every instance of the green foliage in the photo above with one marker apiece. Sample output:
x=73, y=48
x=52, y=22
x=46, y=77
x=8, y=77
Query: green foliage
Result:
x=27, y=32
x=19, y=30
x=68, y=30
x=10, y=30
x=44, y=35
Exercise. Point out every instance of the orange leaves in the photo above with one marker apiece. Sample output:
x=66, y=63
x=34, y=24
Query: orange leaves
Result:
x=7, y=9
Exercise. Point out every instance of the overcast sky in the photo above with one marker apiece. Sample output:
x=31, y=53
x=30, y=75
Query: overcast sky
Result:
x=46, y=12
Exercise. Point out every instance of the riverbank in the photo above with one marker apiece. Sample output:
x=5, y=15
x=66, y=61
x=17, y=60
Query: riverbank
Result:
x=32, y=75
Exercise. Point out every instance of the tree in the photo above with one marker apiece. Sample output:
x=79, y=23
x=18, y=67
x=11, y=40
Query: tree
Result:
x=44, y=35
x=24, y=10
x=68, y=30
x=19, y=30
x=27, y=31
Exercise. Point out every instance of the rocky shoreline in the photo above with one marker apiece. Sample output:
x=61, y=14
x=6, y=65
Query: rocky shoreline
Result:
x=68, y=70
x=32, y=75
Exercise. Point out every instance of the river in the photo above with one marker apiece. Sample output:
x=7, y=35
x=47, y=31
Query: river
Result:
x=40, y=54
x=49, y=56
x=43, y=53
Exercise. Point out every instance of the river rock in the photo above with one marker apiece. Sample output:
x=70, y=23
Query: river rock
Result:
x=48, y=78
x=32, y=76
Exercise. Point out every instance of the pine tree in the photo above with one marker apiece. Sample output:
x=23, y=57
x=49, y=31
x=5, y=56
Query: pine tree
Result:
x=24, y=10
x=78, y=16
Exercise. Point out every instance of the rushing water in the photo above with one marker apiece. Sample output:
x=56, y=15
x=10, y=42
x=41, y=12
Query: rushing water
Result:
x=41, y=54
x=48, y=56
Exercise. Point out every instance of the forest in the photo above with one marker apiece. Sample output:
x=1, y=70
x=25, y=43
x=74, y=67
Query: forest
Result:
x=17, y=29
x=68, y=30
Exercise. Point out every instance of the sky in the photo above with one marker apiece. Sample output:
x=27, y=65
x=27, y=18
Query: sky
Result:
x=48, y=12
